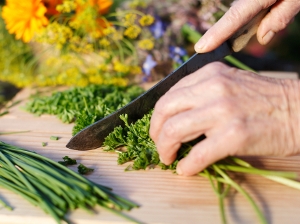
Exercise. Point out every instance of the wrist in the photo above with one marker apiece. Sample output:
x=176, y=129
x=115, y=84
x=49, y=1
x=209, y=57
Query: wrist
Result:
x=291, y=89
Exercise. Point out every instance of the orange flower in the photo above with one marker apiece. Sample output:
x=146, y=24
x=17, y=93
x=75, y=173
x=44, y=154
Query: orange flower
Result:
x=51, y=6
x=103, y=5
x=24, y=18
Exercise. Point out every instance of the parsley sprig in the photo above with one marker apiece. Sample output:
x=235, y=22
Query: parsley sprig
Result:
x=134, y=145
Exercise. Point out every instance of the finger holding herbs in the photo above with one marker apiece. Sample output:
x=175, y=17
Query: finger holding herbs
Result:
x=134, y=145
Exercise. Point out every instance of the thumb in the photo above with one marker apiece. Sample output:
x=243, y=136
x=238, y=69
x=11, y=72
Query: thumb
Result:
x=280, y=15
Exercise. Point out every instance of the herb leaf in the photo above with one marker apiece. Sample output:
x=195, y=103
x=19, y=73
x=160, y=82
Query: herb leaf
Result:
x=67, y=161
x=82, y=169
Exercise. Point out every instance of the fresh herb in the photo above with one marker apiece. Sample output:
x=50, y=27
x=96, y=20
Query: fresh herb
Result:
x=84, y=170
x=53, y=187
x=44, y=144
x=68, y=161
x=4, y=113
x=83, y=105
x=55, y=138
x=13, y=132
x=133, y=144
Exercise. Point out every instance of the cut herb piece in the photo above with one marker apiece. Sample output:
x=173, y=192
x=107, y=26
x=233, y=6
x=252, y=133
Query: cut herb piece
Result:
x=68, y=161
x=44, y=144
x=55, y=138
x=84, y=170
x=53, y=187
x=138, y=148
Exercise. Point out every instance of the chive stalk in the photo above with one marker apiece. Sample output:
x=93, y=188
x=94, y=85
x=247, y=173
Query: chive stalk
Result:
x=29, y=174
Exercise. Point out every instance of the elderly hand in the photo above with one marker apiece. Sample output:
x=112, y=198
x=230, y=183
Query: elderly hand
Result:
x=239, y=112
x=281, y=14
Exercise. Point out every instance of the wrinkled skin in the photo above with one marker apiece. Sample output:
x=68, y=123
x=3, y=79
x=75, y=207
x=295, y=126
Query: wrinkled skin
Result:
x=240, y=112
x=281, y=14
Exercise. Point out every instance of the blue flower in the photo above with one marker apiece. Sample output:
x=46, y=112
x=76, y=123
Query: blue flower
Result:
x=148, y=65
x=177, y=54
x=157, y=28
x=174, y=50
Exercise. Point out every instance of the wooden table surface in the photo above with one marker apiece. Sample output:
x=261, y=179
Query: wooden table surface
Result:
x=164, y=197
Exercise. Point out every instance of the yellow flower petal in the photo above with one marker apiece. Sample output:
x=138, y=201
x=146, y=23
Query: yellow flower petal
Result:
x=24, y=18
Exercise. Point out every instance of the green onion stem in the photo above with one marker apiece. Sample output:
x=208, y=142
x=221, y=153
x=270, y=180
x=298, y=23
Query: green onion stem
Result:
x=259, y=213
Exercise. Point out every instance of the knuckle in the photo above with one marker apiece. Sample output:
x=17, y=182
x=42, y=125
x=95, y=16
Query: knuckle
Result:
x=160, y=107
x=238, y=130
x=226, y=108
x=234, y=15
x=215, y=66
x=170, y=129
x=219, y=85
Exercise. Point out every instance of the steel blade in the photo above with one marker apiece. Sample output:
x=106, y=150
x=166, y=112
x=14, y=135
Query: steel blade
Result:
x=93, y=136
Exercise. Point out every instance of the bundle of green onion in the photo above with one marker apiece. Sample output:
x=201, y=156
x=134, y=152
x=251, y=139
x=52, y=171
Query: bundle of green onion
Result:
x=28, y=174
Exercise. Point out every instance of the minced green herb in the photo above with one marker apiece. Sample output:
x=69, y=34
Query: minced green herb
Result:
x=68, y=161
x=55, y=138
x=44, y=144
x=83, y=105
x=82, y=169
x=53, y=187
x=133, y=144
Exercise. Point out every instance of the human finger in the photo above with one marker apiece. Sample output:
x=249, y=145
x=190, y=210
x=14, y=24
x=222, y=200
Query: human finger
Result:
x=280, y=15
x=240, y=13
x=189, y=125
x=212, y=149
x=201, y=75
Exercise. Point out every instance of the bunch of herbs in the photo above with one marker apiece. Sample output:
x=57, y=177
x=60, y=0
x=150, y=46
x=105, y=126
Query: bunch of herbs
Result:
x=53, y=187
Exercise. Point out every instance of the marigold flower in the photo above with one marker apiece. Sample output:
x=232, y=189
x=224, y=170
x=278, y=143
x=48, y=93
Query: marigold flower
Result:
x=24, y=18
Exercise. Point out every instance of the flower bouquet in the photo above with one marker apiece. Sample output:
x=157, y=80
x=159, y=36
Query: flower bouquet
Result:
x=81, y=42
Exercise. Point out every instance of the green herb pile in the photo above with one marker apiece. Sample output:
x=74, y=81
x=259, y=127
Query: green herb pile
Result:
x=29, y=174
x=83, y=105
x=133, y=143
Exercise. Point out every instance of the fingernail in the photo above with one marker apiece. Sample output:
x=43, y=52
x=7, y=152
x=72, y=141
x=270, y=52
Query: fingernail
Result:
x=161, y=160
x=178, y=170
x=268, y=37
x=199, y=46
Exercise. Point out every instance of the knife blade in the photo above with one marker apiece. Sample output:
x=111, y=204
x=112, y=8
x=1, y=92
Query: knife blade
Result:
x=93, y=136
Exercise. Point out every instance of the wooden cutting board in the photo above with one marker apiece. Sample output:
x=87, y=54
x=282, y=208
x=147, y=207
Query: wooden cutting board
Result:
x=164, y=197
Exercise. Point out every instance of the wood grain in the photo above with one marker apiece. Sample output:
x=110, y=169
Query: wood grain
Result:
x=164, y=197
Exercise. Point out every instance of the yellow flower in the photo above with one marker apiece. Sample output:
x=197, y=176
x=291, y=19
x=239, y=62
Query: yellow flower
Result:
x=129, y=19
x=146, y=44
x=133, y=31
x=104, y=42
x=24, y=18
x=135, y=70
x=120, y=67
x=66, y=7
x=146, y=20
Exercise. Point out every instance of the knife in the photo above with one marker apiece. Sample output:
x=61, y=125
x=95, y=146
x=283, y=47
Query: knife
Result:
x=93, y=136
